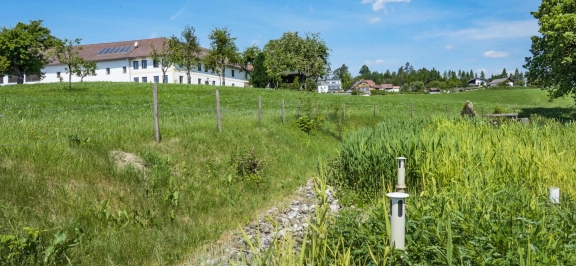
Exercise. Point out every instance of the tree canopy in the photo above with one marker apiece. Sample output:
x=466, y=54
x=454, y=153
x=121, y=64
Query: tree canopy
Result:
x=223, y=52
x=307, y=56
x=25, y=49
x=66, y=52
x=163, y=57
x=185, y=51
x=553, y=61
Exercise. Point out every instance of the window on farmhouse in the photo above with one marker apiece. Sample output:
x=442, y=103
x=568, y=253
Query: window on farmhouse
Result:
x=155, y=63
x=181, y=79
x=58, y=74
x=145, y=79
x=199, y=67
x=199, y=81
x=165, y=79
x=144, y=64
x=136, y=79
x=214, y=82
x=156, y=79
x=123, y=70
x=135, y=64
x=232, y=72
x=108, y=71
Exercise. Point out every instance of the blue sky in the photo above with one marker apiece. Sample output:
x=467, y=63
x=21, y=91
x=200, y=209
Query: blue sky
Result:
x=384, y=34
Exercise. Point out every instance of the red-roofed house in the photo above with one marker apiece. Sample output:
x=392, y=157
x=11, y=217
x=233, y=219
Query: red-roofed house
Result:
x=130, y=61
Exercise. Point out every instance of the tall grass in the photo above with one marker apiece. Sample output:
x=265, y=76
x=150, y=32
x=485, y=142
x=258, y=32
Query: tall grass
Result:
x=57, y=176
x=478, y=192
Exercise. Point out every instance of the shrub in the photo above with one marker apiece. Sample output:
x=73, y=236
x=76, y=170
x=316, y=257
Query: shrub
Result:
x=247, y=165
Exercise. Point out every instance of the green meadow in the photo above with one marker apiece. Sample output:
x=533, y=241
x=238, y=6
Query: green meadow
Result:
x=63, y=200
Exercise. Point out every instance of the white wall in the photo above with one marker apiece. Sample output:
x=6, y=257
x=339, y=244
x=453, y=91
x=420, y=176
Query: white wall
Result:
x=116, y=72
x=117, y=75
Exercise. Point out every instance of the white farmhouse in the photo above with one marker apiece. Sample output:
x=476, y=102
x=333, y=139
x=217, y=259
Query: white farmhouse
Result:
x=497, y=82
x=477, y=82
x=130, y=61
x=330, y=85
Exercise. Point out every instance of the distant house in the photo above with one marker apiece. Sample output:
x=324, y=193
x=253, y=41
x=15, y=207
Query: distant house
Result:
x=365, y=84
x=395, y=89
x=477, y=82
x=389, y=88
x=434, y=91
x=329, y=85
x=496, y=82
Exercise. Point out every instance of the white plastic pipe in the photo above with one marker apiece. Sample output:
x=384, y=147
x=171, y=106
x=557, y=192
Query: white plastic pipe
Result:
x=398, y=219
x=401, y=174
x=554, y=194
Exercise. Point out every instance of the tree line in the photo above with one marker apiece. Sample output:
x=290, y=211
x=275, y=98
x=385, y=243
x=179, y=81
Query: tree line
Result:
x=418, y=79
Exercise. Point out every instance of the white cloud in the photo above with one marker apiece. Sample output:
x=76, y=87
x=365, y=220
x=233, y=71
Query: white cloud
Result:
x=381, y=4
x=493, y=30
x=177, y=14
x=378, y=61
x=374, y=20
x=450, y=47
x=496, y=54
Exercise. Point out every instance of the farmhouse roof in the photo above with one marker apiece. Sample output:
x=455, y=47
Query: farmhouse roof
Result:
x=474, y=79
x=96, y=52
x=387, y=86
x=498, y=81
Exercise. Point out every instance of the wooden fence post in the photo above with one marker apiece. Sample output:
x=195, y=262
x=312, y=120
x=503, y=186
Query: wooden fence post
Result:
x=283, y=111
x=218, y=117
x=259, y=110
x=298, y=108
x=155, y=107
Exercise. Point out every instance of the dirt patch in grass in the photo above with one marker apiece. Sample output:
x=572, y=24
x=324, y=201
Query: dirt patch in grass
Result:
x=125, y=159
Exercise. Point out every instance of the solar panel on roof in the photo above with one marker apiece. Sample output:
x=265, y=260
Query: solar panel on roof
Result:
x=115, y=50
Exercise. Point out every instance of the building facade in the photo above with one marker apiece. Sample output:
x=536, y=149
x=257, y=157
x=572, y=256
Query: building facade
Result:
x=130, y=61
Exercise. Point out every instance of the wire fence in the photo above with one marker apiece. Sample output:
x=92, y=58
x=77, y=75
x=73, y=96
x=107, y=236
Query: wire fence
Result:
x=234, y=106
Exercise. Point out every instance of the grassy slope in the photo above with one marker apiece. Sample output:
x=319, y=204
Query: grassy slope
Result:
x=50, y=182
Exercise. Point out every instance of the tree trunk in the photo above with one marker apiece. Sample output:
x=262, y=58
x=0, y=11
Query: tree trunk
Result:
x=70, y=80
x=223, y=75
x=189, y=78
x=163, y=75
x=20, y=75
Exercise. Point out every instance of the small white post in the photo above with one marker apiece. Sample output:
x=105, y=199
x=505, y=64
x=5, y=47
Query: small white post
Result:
x=401, y=174
x=554, y=195
x=398, y=219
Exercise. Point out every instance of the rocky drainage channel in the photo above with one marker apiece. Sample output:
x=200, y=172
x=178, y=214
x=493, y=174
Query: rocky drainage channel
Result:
x=278, y=223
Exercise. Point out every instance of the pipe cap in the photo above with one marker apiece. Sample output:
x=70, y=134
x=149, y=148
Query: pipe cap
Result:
x=397, y=195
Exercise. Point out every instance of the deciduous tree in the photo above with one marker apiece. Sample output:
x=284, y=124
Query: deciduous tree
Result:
x=307, y=56
x=163, y=57
x=553, y=62
x=66, y=52
x=247, y=58
x=26, y=47
x=185, y=51
x=86, y=68
x=223, y=52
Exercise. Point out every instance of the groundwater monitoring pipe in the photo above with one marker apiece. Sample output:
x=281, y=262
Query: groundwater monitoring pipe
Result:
x=554, y=195
x=398, y=219
x=401, y=186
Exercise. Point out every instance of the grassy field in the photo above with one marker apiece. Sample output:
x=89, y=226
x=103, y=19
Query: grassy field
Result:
x=56, y=172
